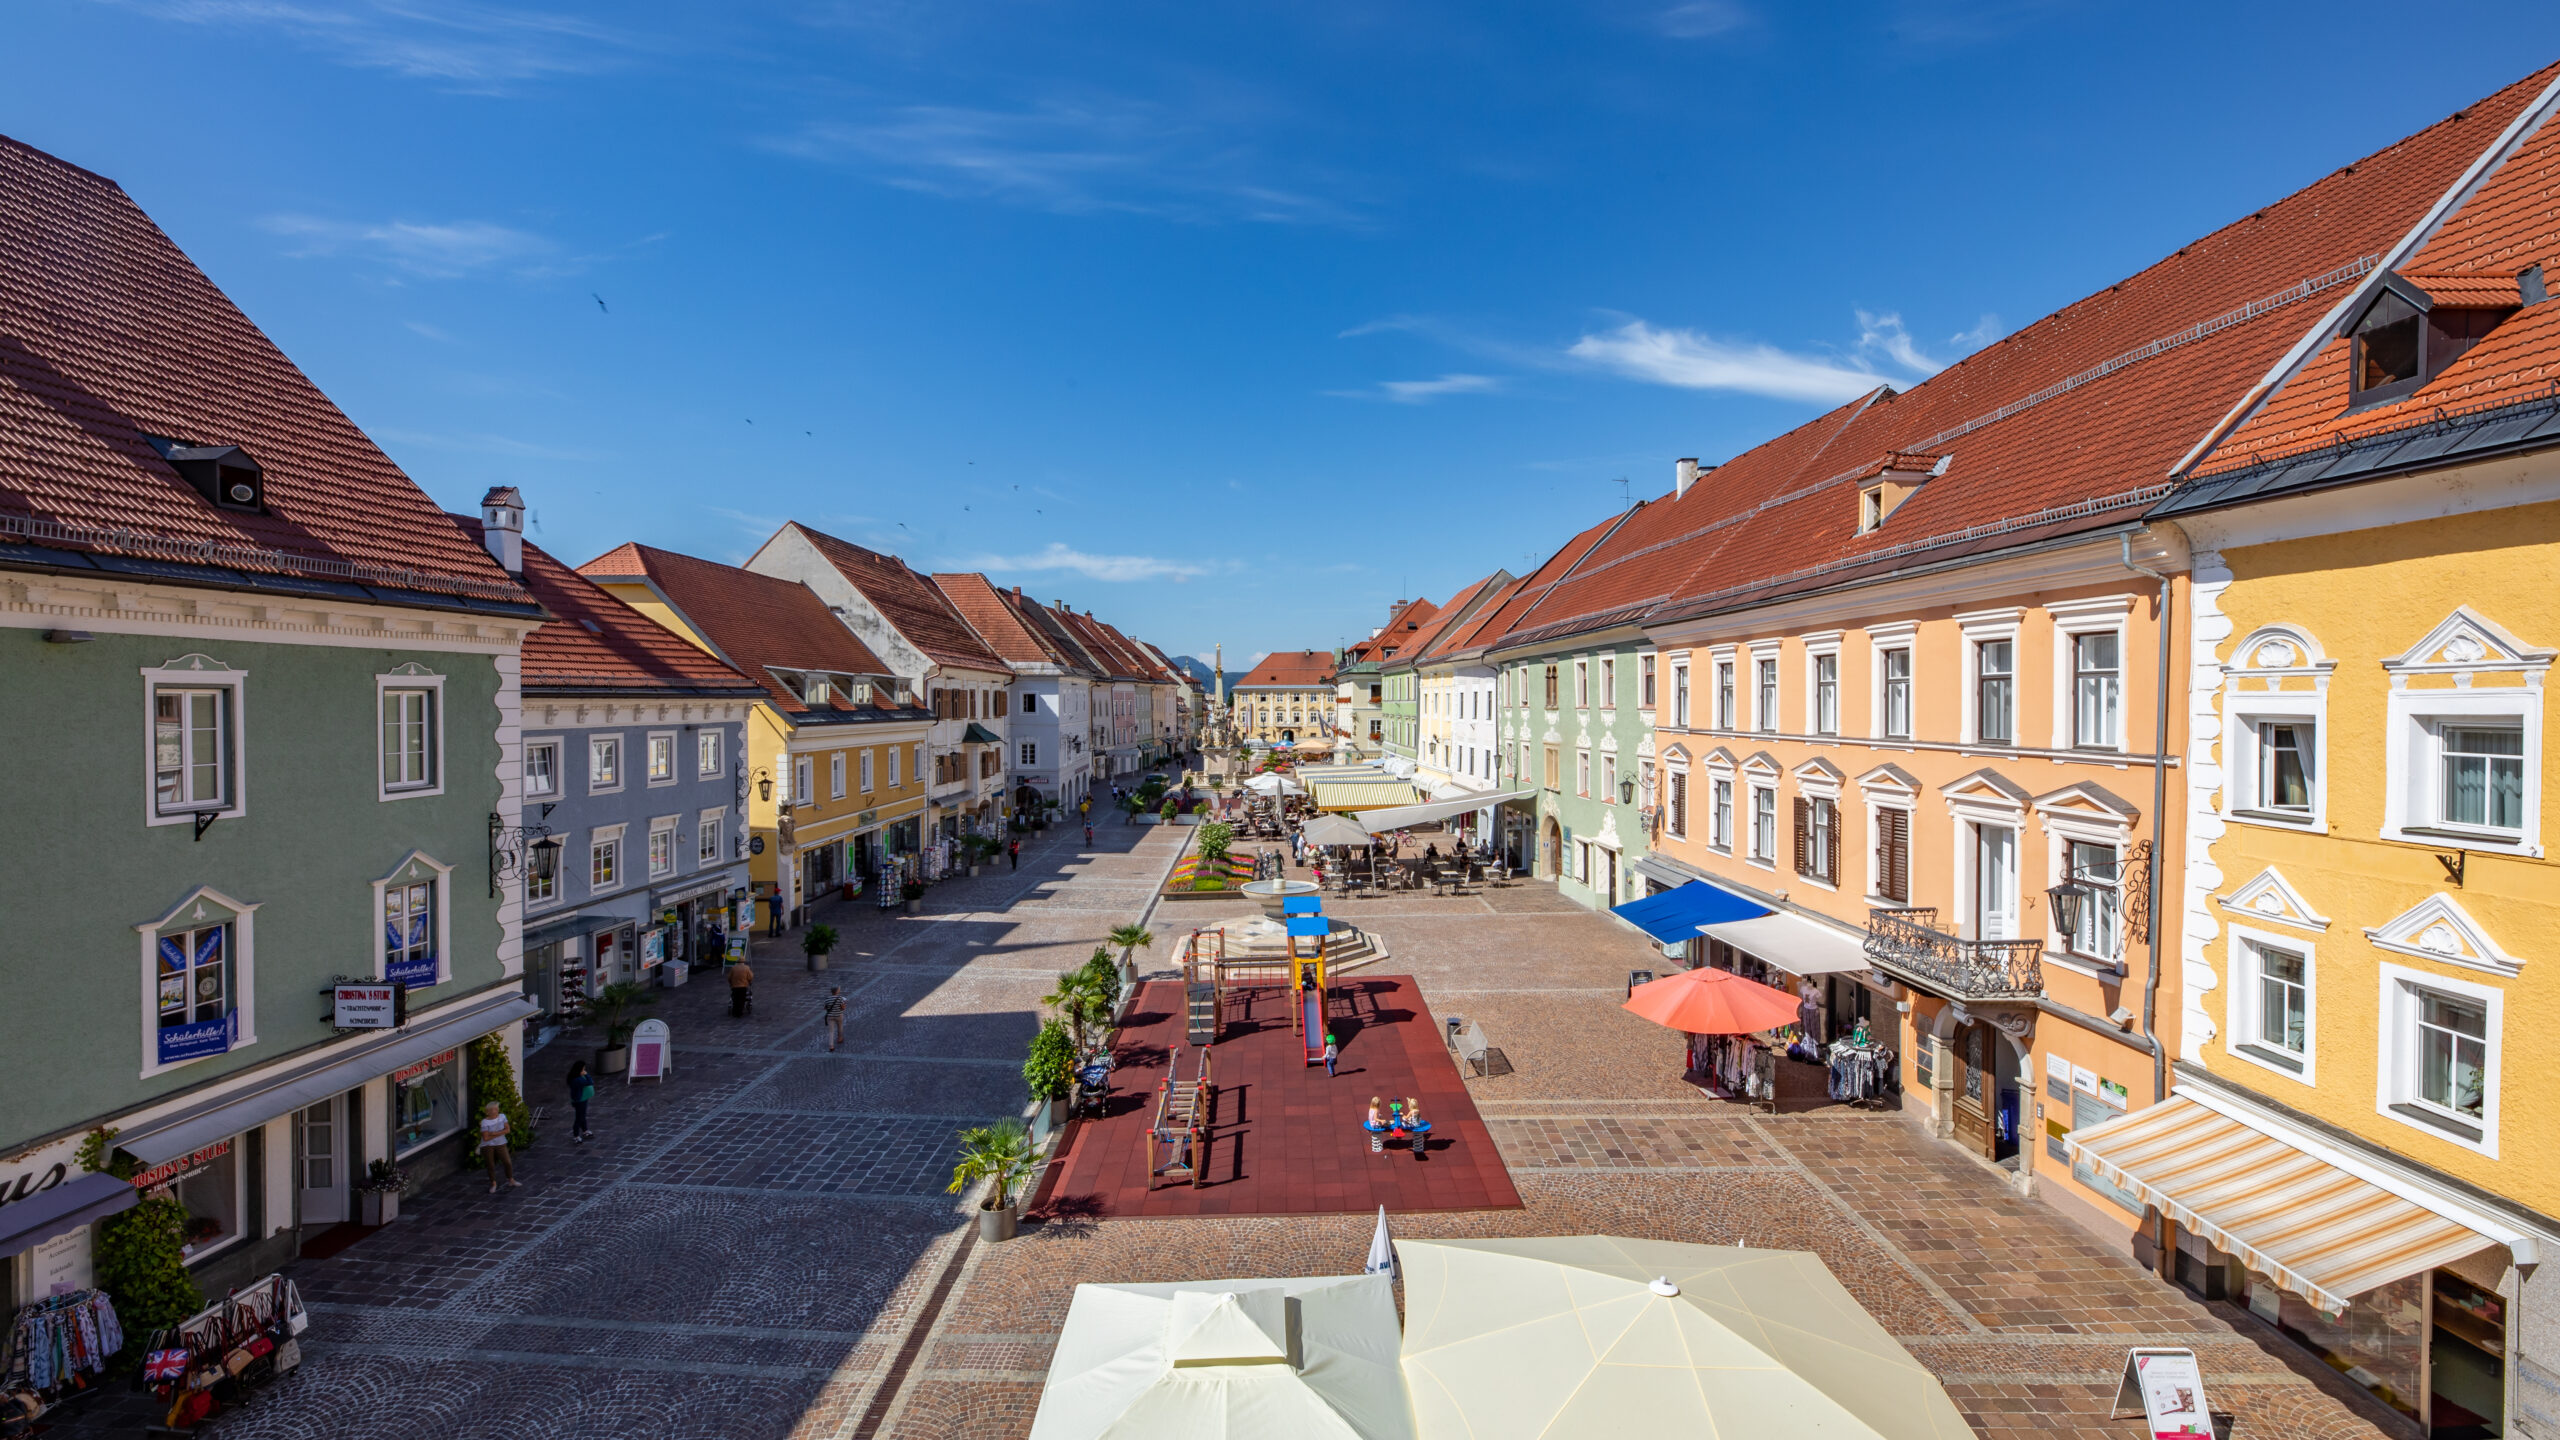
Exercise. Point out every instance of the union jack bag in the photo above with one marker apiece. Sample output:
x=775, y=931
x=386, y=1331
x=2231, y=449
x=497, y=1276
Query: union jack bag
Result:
x=162, y=1366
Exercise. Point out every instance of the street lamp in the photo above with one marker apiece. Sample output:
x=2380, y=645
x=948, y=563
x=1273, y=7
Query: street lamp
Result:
x=1626, y=792
x=764, y=784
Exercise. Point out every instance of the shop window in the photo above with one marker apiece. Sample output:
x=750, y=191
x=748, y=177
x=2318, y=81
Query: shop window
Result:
x=541, y=769
x=207, y=1186
x=662, y=758
x=604, y=764
x=1994, y=692
x=196, y=992
x=410, y=739
x=426, y=1103
x=710, y=755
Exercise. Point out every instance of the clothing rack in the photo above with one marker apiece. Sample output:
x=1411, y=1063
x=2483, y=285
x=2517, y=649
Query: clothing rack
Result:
x=56, y=1342
x=1869, y=1074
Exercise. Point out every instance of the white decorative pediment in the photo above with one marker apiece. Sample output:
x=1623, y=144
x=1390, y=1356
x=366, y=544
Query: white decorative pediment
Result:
x=411, y=668
x=2088, y=801
x=1719, y=759
x=1608, y=837
x=1818, y=771
x=1762, y=763
x=1608, y=742
x=2279, y=650
x=2464, y=641
x=202, y=663
x=416, y=867
x=1987, y=787
x=2437, y=928
x=201, y=906
x=1678, y=754
x=2271, y=897
x=1644, y=747
x=1890, y=778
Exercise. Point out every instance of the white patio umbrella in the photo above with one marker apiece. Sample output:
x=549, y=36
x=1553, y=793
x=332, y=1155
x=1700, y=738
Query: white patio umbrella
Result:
x=1335, y=830
x=1274, y=785
x=1597, y=1336
x=1307, y=1359
x=1382, y=1249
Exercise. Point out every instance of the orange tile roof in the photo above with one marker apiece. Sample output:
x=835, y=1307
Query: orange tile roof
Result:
x=907, y=601
x=1290, y=668
x=2070, y=424
x=758, y=623
x=595, y=643
x=1453, y=618
x=1003, y=631
x=109, y=335
x=1402, y=623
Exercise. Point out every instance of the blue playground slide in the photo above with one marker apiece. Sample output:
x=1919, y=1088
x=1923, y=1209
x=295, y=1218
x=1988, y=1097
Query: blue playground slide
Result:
x=1315, y=1025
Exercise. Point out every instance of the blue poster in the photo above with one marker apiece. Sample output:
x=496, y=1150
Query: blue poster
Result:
x=416, y=972
x=194, y=1042
x=173, y=955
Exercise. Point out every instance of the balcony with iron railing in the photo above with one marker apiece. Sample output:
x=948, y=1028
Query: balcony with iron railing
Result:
x=1906, y=941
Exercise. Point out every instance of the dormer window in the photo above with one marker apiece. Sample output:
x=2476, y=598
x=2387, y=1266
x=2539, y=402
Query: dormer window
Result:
x=224, y=474
x=2390, y=344
x=817, y=689
x=1870, y=509
x=2410, y=334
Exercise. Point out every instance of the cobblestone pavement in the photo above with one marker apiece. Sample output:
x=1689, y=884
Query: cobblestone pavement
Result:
x=762, y=1248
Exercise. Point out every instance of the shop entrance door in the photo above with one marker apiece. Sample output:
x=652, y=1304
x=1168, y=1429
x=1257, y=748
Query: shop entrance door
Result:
x=320, y=1161
x=1612, y=891
x=1976, y=1085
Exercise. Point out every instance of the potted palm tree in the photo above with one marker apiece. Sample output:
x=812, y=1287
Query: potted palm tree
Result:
x=815, y=942
x=614, y=1009
x=999, y=1154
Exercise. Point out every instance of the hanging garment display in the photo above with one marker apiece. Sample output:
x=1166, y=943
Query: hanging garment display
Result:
x=1864, y=1072
x=60, y=1339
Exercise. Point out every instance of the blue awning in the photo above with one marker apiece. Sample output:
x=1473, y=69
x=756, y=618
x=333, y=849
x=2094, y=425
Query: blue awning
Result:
x=1315, y=925
x=1675, y=915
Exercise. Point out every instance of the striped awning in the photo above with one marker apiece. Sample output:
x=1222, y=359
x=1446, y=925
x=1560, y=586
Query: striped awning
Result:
x=2309, y=1225
x=1355, y=795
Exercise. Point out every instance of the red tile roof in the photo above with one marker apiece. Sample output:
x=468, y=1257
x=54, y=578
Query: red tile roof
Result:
x=758, y=623
x=595, y=643
x=908, y=601
x=1297, y=668
x=984, y=607
x=1099, y=641
x=1512, y=615
x=2068, y=425
x=1453, y=619
x=1403, y=622
x=2511, y=221
x=109, y=334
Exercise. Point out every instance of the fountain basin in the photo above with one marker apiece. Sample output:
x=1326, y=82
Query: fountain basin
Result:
x=1272, y=894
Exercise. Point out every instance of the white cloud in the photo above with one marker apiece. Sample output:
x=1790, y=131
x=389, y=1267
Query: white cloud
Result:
x=1072, y=157
x=1984, y=331
x=1701, y=19
x=1692, y=361
x=1422, y=392
x=437, y=251
x=465, y=46
x=1091, y=566
x=1884, y=335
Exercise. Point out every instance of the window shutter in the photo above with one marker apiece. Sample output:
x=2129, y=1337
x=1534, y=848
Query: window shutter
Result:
x=1802, y=820
x=1893, y=855
x=1831, y=847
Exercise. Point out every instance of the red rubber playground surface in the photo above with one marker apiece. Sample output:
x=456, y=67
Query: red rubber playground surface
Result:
x=1287, y=1139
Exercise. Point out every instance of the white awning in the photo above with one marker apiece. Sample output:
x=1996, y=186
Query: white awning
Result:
x=2313, y=1227
x=1381, y=821
x=1793, y=944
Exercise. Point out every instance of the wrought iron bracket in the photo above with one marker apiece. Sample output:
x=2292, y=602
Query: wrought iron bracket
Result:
x=510, y=849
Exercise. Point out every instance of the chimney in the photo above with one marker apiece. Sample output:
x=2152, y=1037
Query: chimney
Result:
x=1684, y=473
x=502, y=526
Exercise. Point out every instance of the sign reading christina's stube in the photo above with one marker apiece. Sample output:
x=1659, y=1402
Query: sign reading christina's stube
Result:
x=371, y=1006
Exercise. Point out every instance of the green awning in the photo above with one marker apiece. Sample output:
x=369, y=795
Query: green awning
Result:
x=978, y=734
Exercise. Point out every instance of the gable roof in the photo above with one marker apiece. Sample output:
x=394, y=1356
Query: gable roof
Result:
x=1438, y=635
x=2068, y=426
x=908, y=601
x=109, y=337
x=594, y=643
x=1395, y=638
x=1512, y=623
x=998, y=626
x=758, y=623
x=1299, y=669
x=1111, y=659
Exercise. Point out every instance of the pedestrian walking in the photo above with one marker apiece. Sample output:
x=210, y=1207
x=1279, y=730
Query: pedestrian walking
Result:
x=1088, y=835
x=835, y=1017
x=741, y=988
x=493, y=1147
x=1013, y=853
x=1332, y=1052
x=582, y=1088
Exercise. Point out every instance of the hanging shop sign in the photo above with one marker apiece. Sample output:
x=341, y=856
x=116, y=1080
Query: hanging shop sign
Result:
x=373, y=1005
x=404, y=1076
x=168, y=1173
x=755, y=845
x=195, y=1041
x=2170, y=1389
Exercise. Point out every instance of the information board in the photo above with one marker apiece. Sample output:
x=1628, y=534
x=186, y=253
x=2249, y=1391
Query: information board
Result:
x=374, y=1005
x=2168, y=1387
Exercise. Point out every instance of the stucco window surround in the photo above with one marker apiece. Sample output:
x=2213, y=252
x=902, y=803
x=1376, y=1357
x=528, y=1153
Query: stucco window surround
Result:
x=1887, y=788
x=1978, y=807
x=1818, y=784
x=1762, y=820
x=411, y=763
x=184, y=743
x=707, y=827
x=835, y=774
x=606, y=763
x=1721, y=795
x=2085, y=815
x=2074, y=620
x=605, y=860
x=2467, y=675
x=660, y=766
x=202, y=908
x=866, y=772
x=1891, y=717
x=2412, y=1059
x=543, y=779
x=1979, y=628
x=662, y=846
x=1762, y=665
x=415, y=868
x=1824, y=698
x=711, y=754
x=2276, y=690
x=2274, y=1019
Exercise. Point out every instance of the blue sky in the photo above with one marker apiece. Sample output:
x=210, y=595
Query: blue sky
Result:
x=1231, y=324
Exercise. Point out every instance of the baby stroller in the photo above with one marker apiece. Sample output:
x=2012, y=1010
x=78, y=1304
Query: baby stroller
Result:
x=1093, y=1088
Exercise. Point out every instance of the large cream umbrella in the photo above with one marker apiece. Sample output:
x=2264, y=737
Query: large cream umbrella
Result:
x=1310, y=1359
x=1596, y=1336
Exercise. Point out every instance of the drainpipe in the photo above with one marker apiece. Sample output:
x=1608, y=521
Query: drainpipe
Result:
x=2159, y=832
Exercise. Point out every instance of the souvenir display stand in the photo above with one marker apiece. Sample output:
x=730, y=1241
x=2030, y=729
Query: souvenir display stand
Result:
x=217, y=1358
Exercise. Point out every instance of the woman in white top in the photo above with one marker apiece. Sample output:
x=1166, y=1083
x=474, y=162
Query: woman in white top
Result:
x=493, y=1146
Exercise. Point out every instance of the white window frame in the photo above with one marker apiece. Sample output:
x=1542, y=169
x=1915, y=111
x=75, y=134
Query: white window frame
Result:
x=707, y=831
x=835, y=774
x=1724, y=701
x=1608, y=682
x=1815, y=786
x=559, y=781
x=1030, y=752
x=1720, y=811
x=2415, y=721
x=197, y=672
x=2060, y=830
x=804, y=780
x=2242, y=963
x=597, y=837
x=1881, y=641
x=443, y=882
x=866, y=772
x=1978, y=628
x=649, y=758
x=2396, y=1053
x=1680, y=695
x=1582, y=773
x=1817, y=648
x=243, y=981
x=710, y=754
x=1764, y=716
x=2072, y=620
x=1964, y=813
x=621, y=772
x=411, y=677
x=662, y=826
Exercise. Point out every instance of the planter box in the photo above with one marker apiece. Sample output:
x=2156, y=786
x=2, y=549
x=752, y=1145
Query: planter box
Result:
x=378, y=1207
x=818, y=960
x=613, y=1060
x=998, y=1225
x=1230, y=893
x=913, y=907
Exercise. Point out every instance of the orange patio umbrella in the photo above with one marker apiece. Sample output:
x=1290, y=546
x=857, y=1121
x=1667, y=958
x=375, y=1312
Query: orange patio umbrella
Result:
x=1712, y=1002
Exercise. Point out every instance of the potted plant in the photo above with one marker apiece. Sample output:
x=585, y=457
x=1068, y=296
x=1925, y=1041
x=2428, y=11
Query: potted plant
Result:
x=1001, y=1155
x=378, y=1194
x=912, y=893
x=614, y=1009
x=1050, y=1068
x=815, y=942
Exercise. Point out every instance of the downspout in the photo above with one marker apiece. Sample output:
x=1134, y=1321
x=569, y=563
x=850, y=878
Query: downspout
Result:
x=2159, y=832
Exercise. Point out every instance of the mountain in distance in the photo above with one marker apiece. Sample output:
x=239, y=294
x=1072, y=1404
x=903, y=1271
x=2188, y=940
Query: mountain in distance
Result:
x=1199, y=669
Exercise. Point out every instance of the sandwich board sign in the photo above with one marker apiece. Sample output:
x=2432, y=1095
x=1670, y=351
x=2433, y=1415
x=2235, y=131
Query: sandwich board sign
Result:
x=2168, y=1387
x=652, y=1052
